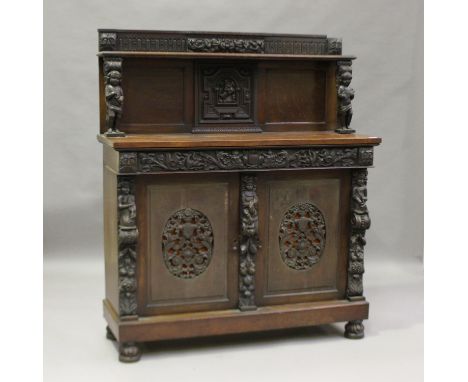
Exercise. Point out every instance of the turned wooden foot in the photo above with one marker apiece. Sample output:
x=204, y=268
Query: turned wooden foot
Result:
x=109, y=334
x=354, y=330
x=129, y=352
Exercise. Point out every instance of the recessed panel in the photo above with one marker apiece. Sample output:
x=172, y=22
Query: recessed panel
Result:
x=295, y=95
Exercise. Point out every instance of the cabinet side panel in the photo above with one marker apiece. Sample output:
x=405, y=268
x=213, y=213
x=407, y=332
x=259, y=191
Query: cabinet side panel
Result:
x=110, y=237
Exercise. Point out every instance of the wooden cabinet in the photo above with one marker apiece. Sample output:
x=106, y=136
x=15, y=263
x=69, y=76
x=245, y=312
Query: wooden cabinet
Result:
x=234, y=187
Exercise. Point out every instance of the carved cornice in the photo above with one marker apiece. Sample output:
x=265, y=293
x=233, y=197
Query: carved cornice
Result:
x=209, y=42
x=360, y=222
x=128, y=236
x=250, y=159
x=248, y=242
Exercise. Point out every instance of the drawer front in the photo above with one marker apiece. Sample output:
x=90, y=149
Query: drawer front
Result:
x=304, y=230
x=187, y=228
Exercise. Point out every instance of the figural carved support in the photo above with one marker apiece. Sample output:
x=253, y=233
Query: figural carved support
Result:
x=127, y=236
x=114, y=95
x=248, y=242
x=345, y=94
x=360, y=222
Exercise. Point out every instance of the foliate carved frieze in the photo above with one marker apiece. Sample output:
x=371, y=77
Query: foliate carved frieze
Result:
x=187, y=243
x=302, y=236
x=250, y=159
x=127, y=237
x=225, y=45
x=226, y=94
x=360, y=222
x=249, y=242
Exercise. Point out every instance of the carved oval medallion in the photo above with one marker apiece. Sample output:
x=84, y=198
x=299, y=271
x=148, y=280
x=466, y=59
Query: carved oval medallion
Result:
x=187, y=243
x=302, y=236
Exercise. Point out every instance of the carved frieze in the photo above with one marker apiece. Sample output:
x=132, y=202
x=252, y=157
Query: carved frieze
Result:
x=249, y=242
x=302, y=236
x=296, y=45
x=187, y=243
x=226, y=94
x=250, y=159
x=345, y=95
x=225, y=45
x=128, y=236
x=113, y=94
x=360, y=222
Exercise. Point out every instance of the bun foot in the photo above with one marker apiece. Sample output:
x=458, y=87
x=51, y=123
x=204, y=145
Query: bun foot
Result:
x=129, y=352
x=109, y=334
x=354, y=330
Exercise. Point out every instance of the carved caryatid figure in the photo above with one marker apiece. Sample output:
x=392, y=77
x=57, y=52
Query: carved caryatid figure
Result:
x=127, y=206
x=248, y=243
x=345, y=96
x=114, y=96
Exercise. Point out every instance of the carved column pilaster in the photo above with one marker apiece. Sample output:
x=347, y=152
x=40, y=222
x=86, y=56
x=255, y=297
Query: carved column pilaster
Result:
x=345, y=94
x=127, y=236
x=360, y=222
x=248, y=242
x=114, y=95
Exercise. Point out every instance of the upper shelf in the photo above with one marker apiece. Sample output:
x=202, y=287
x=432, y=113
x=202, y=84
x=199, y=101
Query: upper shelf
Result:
x=226, y=140
x=218, y=44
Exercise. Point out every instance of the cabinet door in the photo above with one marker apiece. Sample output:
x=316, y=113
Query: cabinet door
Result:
x=188, y=224
x=304, y=230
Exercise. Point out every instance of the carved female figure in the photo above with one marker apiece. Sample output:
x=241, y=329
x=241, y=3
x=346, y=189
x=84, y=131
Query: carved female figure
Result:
x=127, y=206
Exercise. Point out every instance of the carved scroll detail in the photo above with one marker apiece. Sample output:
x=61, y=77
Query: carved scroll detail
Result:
x=212, y=160
x=360, y=222
x=345, y=95
x=114, y=95
x=302, y=236
x=227, y=45
x=248, y=242
x=187, y=243
x=128, y=236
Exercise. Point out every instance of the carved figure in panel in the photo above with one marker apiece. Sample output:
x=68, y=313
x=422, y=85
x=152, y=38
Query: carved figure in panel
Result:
x=225, y=95
x=302, y=236
x=345, y=96
x=187, y=243
x=128, y=236
x=249, y=242
x=114, y=95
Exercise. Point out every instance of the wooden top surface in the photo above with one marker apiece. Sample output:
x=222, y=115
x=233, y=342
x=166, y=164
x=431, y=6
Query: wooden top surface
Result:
x=226, y=140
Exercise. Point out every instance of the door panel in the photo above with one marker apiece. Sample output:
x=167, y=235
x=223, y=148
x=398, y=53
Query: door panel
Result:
x=303, y=226
x=187, y=226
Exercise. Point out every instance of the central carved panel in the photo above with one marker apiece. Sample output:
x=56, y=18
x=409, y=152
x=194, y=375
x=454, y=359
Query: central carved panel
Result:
x=226, y=94
x=187, y=243
x=302, y=236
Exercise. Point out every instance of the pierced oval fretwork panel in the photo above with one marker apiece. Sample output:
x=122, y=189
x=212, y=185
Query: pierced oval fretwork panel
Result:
x=302, y=236
x=187, y=243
